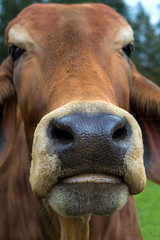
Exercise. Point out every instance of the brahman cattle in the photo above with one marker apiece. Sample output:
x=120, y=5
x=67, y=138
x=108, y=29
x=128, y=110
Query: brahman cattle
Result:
x=74, y=111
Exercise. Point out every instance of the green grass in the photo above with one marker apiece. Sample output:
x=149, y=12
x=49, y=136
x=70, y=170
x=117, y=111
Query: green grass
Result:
x=148, y=206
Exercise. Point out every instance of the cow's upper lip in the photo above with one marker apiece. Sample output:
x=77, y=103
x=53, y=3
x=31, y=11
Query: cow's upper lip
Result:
x=92, y=178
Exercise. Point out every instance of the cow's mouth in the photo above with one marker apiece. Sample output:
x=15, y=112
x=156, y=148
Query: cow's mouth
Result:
x=96, y=146
x=92, y=178
x=96, y=194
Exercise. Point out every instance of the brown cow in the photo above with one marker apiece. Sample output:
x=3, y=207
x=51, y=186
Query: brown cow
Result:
x=71, y=97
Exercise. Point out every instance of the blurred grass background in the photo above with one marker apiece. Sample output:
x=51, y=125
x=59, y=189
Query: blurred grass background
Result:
x=148, y=206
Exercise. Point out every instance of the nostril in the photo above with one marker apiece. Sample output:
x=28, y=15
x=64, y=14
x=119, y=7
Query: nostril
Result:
x=61, y=135
x=120, y=134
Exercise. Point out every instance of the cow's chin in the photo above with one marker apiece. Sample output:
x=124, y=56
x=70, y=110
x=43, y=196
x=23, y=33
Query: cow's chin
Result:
x=76, y=199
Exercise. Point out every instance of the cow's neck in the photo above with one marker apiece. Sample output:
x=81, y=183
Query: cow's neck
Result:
x=74, y=228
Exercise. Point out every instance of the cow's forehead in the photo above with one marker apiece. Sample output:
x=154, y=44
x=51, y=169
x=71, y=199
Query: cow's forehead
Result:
x=45, y=20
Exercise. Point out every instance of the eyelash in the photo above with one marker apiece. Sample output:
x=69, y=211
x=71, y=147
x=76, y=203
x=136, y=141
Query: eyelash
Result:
x=128, y=49
x=15, y=52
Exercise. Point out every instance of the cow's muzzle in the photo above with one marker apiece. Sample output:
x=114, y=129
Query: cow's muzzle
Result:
x=88, y=143
x=85, y=151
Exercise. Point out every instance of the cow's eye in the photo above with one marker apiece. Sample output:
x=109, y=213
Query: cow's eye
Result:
x=128, y=49
x=15, y=52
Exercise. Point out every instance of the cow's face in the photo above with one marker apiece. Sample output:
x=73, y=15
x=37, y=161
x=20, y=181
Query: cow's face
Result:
x=72, y=75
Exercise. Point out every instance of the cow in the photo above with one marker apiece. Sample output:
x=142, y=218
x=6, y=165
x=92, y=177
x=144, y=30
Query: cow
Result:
x=79, y=126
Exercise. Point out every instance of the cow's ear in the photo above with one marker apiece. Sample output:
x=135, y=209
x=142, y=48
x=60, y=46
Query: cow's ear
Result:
x=7, y=109
x=145, y=107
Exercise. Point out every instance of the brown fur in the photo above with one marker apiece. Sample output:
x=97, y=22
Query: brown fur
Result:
x=6, y=88
x=149, y=103
x=79, y=65
x=145, y=104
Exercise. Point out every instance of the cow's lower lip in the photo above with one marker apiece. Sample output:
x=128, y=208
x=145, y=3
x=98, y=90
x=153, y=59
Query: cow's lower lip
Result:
x=96, y=194
x=92, y=178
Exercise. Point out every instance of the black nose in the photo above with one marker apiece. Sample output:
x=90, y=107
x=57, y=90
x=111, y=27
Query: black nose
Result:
x=90, y=142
